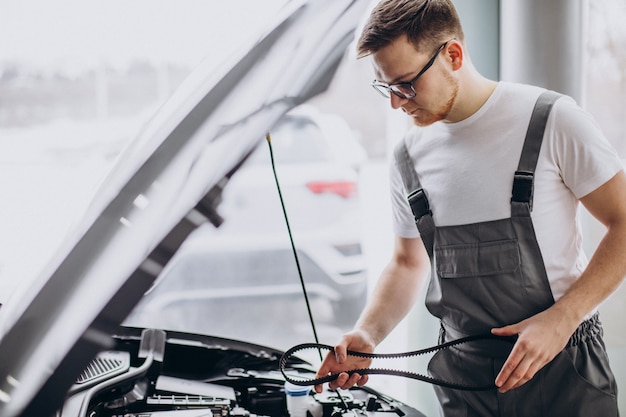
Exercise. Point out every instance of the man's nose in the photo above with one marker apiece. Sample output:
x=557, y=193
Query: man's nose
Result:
x=396, y=102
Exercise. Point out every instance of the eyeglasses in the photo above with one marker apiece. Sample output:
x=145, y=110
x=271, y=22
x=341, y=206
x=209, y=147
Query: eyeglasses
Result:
x=405, y=89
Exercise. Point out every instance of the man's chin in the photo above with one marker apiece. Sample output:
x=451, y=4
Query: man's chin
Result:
x=423, y=120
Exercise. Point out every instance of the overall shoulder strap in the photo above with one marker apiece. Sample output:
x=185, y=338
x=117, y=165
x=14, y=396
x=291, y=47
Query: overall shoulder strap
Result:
x=416, y=196
x=523, y=182
x=405, y=166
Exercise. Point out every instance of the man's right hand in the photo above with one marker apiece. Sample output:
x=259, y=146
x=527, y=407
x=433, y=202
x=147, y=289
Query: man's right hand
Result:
x=338, y=361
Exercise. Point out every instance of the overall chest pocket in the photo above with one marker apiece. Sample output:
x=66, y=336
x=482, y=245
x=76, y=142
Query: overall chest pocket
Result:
x=478, y=259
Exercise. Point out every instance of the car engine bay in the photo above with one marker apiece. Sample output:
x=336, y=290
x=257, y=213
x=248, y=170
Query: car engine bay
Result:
x=153, y=373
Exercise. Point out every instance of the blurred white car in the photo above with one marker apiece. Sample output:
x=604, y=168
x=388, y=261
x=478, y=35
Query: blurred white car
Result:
x=318, y=157
x=248, y=260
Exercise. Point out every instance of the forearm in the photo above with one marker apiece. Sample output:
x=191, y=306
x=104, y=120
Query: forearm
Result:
x=603, y=275
x=395, y=294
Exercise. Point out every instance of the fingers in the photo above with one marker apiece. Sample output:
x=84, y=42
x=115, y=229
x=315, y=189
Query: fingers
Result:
x=505, y=331
x=517, y=377
x=520, y=367
x=340, y=353
x=330, y=365
x=346, y=381
x=338, y=362
x=325, y=368
x=513, y=374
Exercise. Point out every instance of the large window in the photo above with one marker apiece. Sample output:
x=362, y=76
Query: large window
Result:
x=605, y=82
x=605, y=93
x=78, y=82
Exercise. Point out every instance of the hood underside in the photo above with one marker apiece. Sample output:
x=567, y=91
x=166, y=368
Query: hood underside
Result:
x=165, y=185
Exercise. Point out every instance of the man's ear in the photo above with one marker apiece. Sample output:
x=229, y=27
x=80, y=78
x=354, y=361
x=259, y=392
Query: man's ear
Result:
x=455, y=54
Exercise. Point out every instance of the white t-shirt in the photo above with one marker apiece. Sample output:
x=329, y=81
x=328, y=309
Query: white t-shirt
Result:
x=467, y=171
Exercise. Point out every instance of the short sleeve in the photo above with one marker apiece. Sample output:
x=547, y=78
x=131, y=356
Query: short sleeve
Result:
x=403, y=221
x=585, y=158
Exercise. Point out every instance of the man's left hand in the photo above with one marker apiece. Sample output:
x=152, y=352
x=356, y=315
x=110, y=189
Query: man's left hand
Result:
x=540, y=339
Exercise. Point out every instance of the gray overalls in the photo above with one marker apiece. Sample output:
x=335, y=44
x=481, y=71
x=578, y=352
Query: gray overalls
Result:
x=491, y=274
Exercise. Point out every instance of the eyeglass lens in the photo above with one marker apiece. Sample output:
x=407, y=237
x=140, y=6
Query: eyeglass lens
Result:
x=405, y=89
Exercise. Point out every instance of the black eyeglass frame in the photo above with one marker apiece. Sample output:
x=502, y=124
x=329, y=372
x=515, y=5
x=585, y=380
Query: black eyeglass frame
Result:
x=385, y=89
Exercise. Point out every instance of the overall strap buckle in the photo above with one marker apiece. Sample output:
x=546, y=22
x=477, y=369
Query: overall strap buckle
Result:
x=523, y=187
x=419, y=204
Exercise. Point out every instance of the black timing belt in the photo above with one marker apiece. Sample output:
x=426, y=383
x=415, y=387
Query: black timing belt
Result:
x=395, y=372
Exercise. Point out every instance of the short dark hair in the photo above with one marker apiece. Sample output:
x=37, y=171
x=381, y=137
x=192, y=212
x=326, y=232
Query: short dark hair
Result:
x=426, y=23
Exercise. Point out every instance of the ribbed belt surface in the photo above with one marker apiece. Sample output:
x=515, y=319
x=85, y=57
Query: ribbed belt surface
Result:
x=299, y=380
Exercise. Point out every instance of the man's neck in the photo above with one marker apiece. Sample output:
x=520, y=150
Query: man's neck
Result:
x=474, y=92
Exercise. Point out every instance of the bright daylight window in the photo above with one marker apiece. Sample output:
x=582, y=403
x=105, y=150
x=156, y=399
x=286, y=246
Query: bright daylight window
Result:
x=77, y=83
x=606, y=69
x=605, y=91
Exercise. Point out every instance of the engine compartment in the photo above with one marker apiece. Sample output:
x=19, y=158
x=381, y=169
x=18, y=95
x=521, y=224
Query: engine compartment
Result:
x=151, y=373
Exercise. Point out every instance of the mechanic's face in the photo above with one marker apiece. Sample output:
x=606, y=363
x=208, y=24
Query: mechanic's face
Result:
x=435, y=89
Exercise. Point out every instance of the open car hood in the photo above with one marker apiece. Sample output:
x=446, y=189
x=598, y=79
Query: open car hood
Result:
x=166, y=184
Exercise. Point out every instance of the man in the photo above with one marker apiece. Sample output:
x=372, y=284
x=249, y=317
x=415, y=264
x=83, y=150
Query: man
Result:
x=509, y=262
